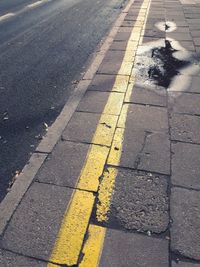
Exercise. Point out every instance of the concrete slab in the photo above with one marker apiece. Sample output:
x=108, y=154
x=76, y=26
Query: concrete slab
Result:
x=102, y=82
x=93, y=102
x=33, y=228
x=126, y=249
x=64, y=165
x=185, y=128
x=185, y=103
x=81, y=127
x=140, y=202
x=185, y=212
x=147, y=118
x=9, y=259
x=149, y=95
x=186, y=165
x=190, y=84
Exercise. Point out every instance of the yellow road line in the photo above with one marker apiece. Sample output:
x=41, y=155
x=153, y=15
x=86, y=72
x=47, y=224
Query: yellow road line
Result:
x=69, y=241
x=93, y=246
x=74, y=225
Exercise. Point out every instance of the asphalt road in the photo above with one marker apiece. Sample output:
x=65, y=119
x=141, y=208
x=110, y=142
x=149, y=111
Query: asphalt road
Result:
x=44, y=47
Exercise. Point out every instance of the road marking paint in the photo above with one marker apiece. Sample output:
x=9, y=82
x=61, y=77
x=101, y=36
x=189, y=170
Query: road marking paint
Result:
x=70, y=238
x=105, y=130
x=105, y=193
x=6, y=16
x=121, y=83
x=93, y=168
x=114, y=103
x=93, y=246
x=23, y=10
x=73, y=228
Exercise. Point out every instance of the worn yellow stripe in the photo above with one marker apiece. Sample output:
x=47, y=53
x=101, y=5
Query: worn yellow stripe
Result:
x=93, y=168
x=93, y=246
x=105, y=194
x=73, y=228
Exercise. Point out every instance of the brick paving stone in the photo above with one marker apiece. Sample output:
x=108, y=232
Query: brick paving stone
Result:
x=185, y=103
x=179, y=36
x=185, y=128
x=9, y=259
x=185, y=234
x=186, y=165
x=139, y=202
x=150, y=95
x=33, y=228
x=124, y=249
x=63, y=166
x=122, y=36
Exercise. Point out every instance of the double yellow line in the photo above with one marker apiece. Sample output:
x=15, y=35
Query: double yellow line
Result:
x=74, y=227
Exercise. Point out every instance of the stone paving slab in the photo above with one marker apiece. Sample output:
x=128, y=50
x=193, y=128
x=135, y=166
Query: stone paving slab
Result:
x=185, y=128
x=185, y=103
x=186, y=165
x=81, y=127
x=147, y=118
x=102, y=82
x=35, y=225
x=63, y=166
x=149, y=95
x=124, y=249
x=9, y=259
x=140, y=201
x=190, y=84
x=185, y=212
x=93, y=102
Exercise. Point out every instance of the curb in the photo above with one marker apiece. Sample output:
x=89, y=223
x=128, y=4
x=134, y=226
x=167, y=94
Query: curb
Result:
x=14, y=196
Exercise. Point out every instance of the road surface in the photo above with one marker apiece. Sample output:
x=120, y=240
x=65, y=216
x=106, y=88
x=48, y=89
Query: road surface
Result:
x=44, y=47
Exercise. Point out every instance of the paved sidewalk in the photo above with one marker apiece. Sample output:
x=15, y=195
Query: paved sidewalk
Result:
x=122, y=185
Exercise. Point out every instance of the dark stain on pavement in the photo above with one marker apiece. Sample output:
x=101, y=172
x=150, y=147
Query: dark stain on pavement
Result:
x=165, y=66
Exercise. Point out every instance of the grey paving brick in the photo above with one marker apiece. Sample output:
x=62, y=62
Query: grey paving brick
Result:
x=184, y=36
x=185, y=103
x=150, y=95
x=185, y=128
x=33, y=228
x=64, y=165
x=155, y=154
x=121, y=46
x=186, y=83
x=186, y=165
x=140, y=201
x=81, y=127
x=185, y=264
x=9, y=259
x=147, y=118
x=102, y=82
x=185, y=212
x=128, y=250
x=122, y=36
x=93, y=101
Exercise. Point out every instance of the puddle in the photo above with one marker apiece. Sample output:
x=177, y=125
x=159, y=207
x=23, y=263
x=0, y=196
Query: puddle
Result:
x=166, y=66
x=161, y=63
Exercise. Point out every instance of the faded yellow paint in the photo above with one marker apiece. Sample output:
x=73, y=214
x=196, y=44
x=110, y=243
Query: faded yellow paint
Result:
x=121, y=83
x=117, y=146
x=70, y=237
x=73, y=228
x=93, y=168
x=114, y=103
x=122, y=119
x=93, y=246
x=105, y=194
x=105, y=130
